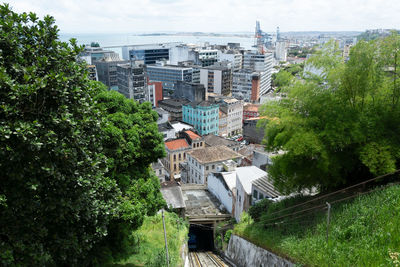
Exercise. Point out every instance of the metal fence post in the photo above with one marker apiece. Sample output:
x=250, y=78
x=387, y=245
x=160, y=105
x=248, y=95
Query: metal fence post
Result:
x=165, y=237
x=328, y=221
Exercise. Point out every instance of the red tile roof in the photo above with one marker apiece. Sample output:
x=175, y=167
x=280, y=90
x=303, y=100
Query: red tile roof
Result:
x=192, y=135
x=177, y=144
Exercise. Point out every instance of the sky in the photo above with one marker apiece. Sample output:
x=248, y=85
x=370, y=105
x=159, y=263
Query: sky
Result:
x=134, y=16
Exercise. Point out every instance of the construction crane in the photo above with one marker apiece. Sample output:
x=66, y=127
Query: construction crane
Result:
x=262, y=39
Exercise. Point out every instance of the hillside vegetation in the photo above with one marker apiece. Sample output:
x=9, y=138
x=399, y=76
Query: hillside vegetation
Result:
x=362, y=232
x=150, y=241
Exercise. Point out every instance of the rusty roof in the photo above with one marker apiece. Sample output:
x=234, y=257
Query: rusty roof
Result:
x=177, y=144
x=214, y=154
x=192, y=135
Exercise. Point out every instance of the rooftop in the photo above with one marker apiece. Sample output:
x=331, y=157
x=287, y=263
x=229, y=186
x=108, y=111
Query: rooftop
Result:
x=174, y=102
x=172, y=193
x=200, y=201
x=215, y=140
x=246, y=175
x=266, y=185
x=192, y=135
x=213, y=154
x=180, y=126
x=177, y=144
x=202, y=104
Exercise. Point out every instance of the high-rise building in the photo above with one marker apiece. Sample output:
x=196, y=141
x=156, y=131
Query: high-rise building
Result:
x=204, y=116
x=107, y=70
x=233, y=56
x=208, y=57
x=149, y=53
x=246, y=85
x=169, y=75
x=257, y=73
x=217, y=79
x=280, y=51
x=131, y=81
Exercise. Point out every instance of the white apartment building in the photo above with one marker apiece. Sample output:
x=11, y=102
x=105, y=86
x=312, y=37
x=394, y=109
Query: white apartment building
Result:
x=208, y=57
x=280, y=51
x=234, y=57
x=203, y=161
x=261, y=63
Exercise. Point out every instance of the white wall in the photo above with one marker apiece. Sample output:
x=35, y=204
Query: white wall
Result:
x=240, y=198
x=217, y=188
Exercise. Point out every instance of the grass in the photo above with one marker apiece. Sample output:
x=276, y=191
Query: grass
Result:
x=151, y=245
x=363, y=232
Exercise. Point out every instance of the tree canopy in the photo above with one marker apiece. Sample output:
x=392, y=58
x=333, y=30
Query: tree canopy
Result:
x=341, y=124
x=74, y=159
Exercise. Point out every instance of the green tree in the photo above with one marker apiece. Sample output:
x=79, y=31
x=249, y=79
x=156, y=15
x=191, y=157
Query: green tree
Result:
x=74, y=158
x=131, y=142
x=341, y=126
x=56, y=201
x=281, y=79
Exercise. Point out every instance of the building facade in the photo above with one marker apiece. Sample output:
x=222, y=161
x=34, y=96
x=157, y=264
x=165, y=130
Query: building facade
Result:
x=246, y=85
x=250, y=111
x=204, y=116
x=217, y=79
x=149, y=53
x=208, y=57
x=194, y=92
x=176, y=153
x=131, y=81
x=169, y=75
x=154, y=93
x=173, y=107
x=261, y=63
x=280, y=51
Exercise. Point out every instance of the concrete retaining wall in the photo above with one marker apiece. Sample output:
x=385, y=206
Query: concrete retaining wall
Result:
x=246, y=254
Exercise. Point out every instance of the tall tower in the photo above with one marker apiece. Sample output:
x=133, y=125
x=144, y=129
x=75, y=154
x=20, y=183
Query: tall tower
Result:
x=278, y=34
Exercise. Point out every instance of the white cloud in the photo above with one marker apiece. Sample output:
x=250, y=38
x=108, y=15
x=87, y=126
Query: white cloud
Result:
x=101, y=16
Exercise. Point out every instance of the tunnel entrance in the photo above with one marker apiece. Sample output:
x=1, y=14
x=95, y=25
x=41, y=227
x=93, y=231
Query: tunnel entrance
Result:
x=201, y=237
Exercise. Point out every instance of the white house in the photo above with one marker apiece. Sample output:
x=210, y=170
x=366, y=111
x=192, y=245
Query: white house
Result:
x=245, y=177
x=222, y=185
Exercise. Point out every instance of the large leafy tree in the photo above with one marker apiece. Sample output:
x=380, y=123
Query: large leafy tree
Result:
x=131, y=142
x=74, y=159
x=341, y=124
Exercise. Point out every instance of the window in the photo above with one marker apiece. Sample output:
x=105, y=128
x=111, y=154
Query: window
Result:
x=180, y=156
x=255, y=194
x=174, y=156
x=159, y=172
x=206, y=168
x=213, y=167
x=261, y=196
x=174, y=167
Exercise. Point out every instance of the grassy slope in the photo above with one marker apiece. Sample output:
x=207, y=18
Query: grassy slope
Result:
x=151, y=241
x=363, y=232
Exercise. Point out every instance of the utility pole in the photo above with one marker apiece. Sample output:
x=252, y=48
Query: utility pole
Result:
x=165, y=237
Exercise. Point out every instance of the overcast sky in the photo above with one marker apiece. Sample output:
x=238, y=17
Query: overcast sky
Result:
x=131, y=16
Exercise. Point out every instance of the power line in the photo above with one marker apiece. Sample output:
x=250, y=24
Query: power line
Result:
x=338, y=191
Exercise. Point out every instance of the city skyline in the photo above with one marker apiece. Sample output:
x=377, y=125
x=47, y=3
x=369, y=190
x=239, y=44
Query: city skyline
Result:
x=123, y=16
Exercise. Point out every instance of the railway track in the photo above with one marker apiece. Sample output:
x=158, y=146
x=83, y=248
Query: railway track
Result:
x=205, y=259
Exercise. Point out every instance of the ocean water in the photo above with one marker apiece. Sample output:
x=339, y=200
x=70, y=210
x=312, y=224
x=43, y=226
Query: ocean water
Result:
x=106, y=40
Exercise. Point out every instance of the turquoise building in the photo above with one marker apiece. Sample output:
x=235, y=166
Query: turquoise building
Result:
x=204, y=116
